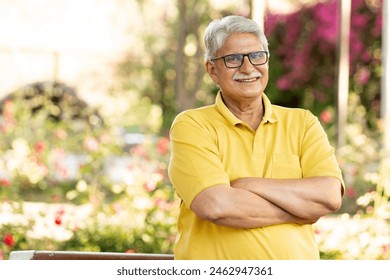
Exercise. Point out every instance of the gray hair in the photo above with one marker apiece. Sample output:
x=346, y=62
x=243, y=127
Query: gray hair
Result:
x=218, y=30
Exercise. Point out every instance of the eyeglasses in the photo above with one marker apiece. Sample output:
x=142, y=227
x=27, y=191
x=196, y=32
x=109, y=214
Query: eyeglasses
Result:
x=236, y=60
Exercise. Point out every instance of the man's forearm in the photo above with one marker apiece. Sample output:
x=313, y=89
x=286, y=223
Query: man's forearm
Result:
x=307, y=198
x=240, y=208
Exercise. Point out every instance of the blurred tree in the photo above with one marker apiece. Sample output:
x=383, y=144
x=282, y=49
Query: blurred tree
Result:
x=171, y=72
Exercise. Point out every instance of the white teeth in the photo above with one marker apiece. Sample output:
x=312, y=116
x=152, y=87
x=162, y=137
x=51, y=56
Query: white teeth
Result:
x=248, y=80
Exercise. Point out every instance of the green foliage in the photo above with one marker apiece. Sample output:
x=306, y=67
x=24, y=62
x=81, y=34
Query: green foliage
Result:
x=330, y=255
x=156, y=236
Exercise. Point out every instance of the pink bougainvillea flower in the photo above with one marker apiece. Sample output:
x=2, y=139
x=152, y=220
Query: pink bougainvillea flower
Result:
x=8, y=240
x=140, y=151
x=356, y=46
x=320, y=96
x=292, y=20
x=58, y=220
x=366, y=56
x=5, y=183
x=162, y=204
x=386, y=249
x=363, y=75
x=39, y=147
x=283, y=83
x=272, y=21
x=150, y=186
x=360, y=20
x=60, y=212
x=326, y=117
x=326, y=16
x=58, y=217
x=350, y=192
x=63, y=172
x=172, y=238
x=8, y=110
x=163, y=146
x=377, y=28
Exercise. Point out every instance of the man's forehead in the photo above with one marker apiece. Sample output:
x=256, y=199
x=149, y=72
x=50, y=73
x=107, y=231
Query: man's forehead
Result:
x=241, y=42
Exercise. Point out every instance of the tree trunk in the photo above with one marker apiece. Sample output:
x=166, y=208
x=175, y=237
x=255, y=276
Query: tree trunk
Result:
x=182, y=98
x=385, y=83
x=343, y=70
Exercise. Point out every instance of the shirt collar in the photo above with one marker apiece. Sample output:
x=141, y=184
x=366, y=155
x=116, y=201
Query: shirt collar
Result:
x=269, y=116
x=223, y=109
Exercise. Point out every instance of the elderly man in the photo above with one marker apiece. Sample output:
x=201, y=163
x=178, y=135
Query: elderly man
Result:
x=252, y=177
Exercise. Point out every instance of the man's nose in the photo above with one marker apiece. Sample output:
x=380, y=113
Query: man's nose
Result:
x=246, y=65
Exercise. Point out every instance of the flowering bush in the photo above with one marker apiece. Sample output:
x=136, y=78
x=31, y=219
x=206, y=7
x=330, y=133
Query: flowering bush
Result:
x=353, y=238
x=303, y=58
x=75, y=184
x=138, y=216
x=143, y=217
x=38, y=140
x=361, y=230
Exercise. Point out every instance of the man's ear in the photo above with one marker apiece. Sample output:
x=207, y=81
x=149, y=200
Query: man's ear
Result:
x=211, y=69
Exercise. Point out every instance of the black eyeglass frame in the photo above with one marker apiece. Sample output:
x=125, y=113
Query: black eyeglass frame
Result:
x=242, y=60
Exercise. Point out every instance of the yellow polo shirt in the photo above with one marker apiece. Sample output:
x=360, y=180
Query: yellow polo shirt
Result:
x=210, y=146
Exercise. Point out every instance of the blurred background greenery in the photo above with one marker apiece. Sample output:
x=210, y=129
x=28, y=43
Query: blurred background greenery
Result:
x=83, y=157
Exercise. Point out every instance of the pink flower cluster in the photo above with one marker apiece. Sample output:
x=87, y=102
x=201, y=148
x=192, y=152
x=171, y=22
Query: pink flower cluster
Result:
x=8, y=239
x=307, y=42
x=8, y=114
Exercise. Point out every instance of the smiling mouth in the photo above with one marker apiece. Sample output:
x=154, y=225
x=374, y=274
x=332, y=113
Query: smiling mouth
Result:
x=247, y=80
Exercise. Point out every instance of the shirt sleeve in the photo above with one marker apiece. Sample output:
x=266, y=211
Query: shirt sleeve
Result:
x=195, y=160
x=317, y=155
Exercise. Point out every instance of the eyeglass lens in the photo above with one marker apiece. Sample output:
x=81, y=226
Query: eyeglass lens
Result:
x=236, y=60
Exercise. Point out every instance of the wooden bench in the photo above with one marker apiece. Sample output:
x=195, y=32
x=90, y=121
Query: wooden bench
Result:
x=76, y=255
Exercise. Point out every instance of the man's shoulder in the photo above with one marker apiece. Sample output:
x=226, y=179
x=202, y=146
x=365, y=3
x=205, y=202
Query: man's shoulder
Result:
x=204, y=113
x=291, y=112
x=285, y=109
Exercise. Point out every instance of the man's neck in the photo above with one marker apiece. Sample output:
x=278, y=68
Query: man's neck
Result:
x=250, y=112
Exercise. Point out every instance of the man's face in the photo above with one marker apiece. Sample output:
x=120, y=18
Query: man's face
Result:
x=232, y=81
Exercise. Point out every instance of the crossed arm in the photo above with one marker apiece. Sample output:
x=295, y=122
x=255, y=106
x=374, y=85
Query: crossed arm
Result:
x=258, y=202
